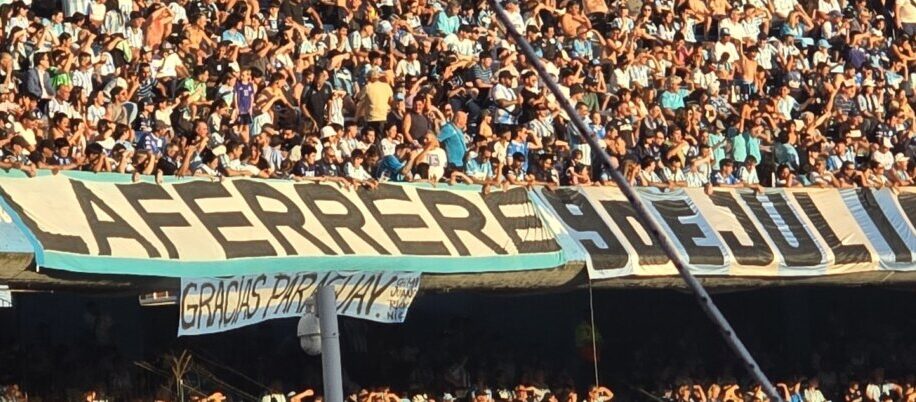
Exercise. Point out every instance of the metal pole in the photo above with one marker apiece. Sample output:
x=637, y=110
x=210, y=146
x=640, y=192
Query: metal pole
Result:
x=703, y=298
x=330, y=345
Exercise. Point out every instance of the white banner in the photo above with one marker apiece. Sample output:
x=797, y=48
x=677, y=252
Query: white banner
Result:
x=778, y=232
x=196, y=229
x=6, y=297
x=210, y=305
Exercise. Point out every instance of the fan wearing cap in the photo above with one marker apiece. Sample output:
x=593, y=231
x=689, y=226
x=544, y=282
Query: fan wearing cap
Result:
x=869, y=104
x=375, y=101
x=726, y=45
x=15, y=156
x=900, y=173
x=410, y=65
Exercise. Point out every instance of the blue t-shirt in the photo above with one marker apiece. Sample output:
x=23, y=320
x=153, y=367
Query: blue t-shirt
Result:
x=516, y=147
x=786, y=154
x=452, y=140
x=390, y=167
x=236, y=37
x=244, y=94
x=739, y=147
x=479, y=170
x=718, y=153
x=674, y=100
x=446, y=24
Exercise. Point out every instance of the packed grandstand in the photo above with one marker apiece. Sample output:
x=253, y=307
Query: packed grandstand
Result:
x=681, y=94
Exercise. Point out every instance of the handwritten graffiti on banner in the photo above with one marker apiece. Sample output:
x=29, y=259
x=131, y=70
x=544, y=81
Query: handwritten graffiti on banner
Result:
x=199, y=229
x=781, y=232
x=210, y=305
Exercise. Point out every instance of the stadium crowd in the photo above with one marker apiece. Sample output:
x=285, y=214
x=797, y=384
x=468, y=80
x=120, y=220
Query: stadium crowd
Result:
x=875, y=389
x=684, y=93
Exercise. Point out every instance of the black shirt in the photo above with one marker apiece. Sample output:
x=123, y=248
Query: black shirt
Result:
x=328, y=169
x=304, y=169
x=293, y=9
x=167, y=166
x=315, y=100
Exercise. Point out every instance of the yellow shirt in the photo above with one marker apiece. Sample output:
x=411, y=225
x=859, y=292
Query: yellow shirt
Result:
x=376, y=101
x=907, y=12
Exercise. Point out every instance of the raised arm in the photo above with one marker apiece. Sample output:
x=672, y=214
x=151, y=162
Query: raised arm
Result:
x=302, y=395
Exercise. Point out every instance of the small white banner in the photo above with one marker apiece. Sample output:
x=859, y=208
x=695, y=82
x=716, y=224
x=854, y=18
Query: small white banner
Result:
x=6, y=297
x=210, y=305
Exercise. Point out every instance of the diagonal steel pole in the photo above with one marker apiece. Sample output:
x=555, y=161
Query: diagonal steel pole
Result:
x=666, y=243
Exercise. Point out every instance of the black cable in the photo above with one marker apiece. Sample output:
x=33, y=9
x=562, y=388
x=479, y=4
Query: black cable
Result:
x=666, y=243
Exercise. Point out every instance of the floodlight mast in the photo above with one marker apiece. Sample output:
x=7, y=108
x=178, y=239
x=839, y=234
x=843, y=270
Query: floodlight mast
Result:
x=666, y=243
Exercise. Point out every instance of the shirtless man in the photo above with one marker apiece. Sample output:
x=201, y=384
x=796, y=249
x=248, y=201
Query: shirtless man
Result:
x=698, y=9
x=747, y=71
x=573, y=19
x=158, y=25
x=197, y=33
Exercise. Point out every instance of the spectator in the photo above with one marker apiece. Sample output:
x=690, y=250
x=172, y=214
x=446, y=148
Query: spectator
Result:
x=811, y=87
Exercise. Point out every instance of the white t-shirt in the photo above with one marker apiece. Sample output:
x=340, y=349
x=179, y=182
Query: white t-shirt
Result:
x=735, y=28
x=168, y=66
x=407, y=67
x=747, y=176
x=357, y=172
x=728, y=47
x=388, y=146
x=28, y=135
x=96, y=11
x=886, y=159
x=500, y=151
x=504, y=115
x=465, y=47
x=826, y=6
x=275, y=398
x=437, y=160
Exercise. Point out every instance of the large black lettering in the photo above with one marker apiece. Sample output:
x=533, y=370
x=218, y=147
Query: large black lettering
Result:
x=672, y=211
x=378, y=291
x=304, y=290
x=871, y=207
x=207, y=291
x=104, y=231
x=472, y=224
x=273, y=221
x=213, y=221
x=908, y=204
x=219, y=308
x=524, y=224
x=232, y=288
x=843, y=254
x=612, y=254
x=49, y=241
x=392, y=222
x=188, y=309
x=756, y=253
x=277, y=293
x=138, y=192
x=360, y=292
x=624, y=215
x=353, y=219
x=805, y=252
x=255, y=299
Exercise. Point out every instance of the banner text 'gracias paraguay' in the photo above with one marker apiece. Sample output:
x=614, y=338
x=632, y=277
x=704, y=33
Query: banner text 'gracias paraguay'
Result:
x=193, y=228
